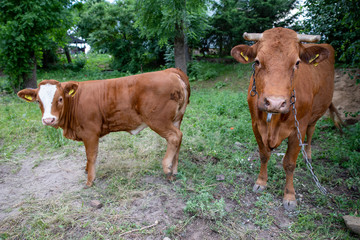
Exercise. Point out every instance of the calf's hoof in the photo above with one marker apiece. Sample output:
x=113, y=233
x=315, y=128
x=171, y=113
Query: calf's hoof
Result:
x=289, y=205
x=88, y=185
x=170, y=177
x=258, y=188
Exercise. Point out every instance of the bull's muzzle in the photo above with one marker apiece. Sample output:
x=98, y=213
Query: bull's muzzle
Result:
x=274, y=104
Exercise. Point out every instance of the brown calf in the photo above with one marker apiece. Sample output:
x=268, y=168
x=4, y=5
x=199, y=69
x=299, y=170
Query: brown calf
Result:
x=89, y=110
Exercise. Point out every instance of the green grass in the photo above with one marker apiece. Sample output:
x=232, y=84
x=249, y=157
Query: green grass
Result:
x=218, y=140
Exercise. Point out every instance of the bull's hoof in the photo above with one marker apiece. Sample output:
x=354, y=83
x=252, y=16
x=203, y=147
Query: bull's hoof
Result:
x=289, y=205
x=258, y=188
x=170, y=177
x=86, y=172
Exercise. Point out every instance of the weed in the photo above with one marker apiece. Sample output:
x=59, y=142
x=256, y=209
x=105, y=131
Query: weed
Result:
x=204, y=205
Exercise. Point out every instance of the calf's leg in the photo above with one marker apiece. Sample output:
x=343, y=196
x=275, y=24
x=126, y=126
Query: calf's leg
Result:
x=91, y=147
x=173, y=137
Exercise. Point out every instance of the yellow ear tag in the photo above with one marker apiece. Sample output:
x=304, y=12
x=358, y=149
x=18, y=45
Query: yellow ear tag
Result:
x=28, y=97
x=72, y=92
x=315, y=64
x=311, y=60
x=244, y=56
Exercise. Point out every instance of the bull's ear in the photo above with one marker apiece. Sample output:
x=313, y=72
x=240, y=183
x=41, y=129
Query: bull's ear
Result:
x=313, y=54
x=28, y=94
x=244, y=53
x=70, y=88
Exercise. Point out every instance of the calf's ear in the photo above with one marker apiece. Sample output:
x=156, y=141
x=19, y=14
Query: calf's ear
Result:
x=70, y=88
x=244, y=53
x=314, y=54
x=28, y=94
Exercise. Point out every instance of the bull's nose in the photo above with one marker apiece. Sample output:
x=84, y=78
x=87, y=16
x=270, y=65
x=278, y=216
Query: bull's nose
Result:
x=276, y=105
x=48, y=121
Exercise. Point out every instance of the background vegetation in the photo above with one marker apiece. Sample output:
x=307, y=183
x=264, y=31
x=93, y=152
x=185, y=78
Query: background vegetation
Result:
x=219, y=159
x=147, y=35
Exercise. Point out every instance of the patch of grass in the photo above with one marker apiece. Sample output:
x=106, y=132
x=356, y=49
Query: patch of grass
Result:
x=204, y=205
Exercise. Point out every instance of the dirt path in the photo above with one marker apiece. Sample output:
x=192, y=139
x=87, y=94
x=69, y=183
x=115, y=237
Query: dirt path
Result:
x=347, y=94
x=39, y=177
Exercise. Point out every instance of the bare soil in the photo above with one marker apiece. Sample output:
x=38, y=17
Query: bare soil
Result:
x=54, y=175
x=347, y=94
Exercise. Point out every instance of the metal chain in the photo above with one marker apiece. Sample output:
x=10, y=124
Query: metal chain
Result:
x=253, y=91
x=302, y=145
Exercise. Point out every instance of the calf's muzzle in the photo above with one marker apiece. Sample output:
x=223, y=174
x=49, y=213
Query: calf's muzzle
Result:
x=48, y=121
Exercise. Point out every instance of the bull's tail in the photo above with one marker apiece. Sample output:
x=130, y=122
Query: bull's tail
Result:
x=339, y=122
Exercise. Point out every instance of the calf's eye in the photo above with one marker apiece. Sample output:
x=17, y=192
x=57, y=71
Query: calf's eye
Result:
x=60, y=99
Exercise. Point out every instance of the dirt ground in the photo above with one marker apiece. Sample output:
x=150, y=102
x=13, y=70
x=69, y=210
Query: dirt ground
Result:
x=57, y=174
x=347, y=94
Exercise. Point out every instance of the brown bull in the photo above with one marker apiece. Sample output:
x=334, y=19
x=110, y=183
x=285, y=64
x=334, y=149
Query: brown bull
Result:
x=285, y=70
x=89, y=110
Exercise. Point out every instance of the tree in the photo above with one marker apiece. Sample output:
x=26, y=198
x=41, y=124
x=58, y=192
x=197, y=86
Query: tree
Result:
x=109, y=28
x=26, y=28
x=339, y=24
x=232, y=18
x=173, y=20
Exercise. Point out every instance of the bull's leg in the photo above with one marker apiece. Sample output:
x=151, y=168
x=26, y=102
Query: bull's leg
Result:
x=289, y=164
x=309, y=132
x=261, y=182
x=91, y=147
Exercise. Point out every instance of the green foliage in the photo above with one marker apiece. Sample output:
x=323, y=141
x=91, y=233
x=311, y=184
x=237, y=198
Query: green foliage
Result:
x=164, y=18
x=26, y=29
x=109, y=28
x=232, y=18
x=175, y=21
x=339, y=24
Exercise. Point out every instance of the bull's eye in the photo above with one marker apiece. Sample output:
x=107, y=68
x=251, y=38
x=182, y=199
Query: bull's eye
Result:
x=60, y=99
x=257, y=62
x=297, y=63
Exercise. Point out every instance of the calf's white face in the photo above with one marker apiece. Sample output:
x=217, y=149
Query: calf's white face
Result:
x=46, y=97
x=51, y=96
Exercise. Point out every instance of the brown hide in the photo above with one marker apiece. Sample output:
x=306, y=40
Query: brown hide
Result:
x=281, y=65
x=92, y=109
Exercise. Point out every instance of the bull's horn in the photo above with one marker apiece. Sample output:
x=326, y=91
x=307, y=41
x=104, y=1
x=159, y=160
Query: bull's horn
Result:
x=308, y=38
x=252, y=36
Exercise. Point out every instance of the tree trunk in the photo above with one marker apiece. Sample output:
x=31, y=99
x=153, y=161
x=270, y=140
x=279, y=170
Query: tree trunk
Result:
x=187, y=52
x=67, y=53
x=30, y=79
x=179, y=49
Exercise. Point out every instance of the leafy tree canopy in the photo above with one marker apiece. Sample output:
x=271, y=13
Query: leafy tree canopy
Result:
x=26, y=28
x=232, y=18
x=339, y=24
x=174, y=20
x=110, y=28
